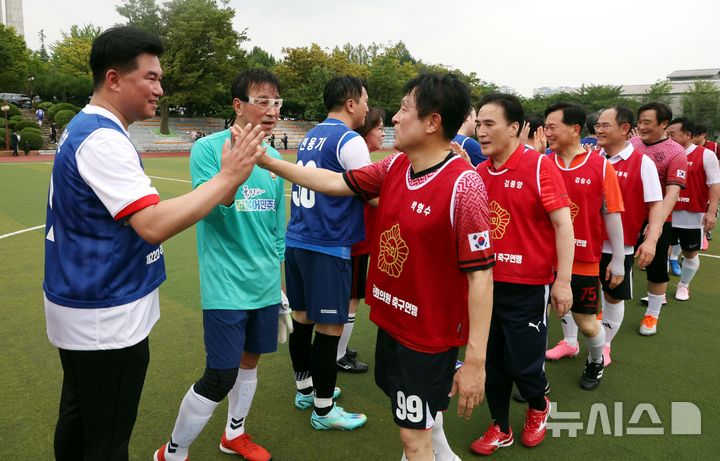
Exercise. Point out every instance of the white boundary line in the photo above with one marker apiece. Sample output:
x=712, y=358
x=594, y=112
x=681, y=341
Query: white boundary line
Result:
x=21, y=231
x=170, y=179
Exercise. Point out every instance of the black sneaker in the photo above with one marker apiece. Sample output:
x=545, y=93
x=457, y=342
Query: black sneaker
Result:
x=592, y=375
x=351, y=365
x=352, y=353
x=517, y=396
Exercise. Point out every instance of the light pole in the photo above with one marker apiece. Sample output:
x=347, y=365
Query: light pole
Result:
x=5, y=108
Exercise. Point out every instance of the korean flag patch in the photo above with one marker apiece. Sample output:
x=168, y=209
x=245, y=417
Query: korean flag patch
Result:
x=479, y=241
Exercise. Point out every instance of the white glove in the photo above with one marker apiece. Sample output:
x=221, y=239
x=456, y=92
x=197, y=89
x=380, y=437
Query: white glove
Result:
x=285, y=326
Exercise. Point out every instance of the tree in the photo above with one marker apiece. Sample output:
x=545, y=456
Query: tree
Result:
x=257, y=57
x=659, y=92
x=387, y=79
x=143, y=14
x=701, y=104
x=14, y=57
x=71, y=53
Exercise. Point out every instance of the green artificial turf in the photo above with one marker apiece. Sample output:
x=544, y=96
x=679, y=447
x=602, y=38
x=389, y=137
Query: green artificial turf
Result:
x=677, y=365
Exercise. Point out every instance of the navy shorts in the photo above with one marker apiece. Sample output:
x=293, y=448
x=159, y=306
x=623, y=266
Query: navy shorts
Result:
x=624, y=290
x=585, y=294
x=359, y=276
x=230, y=332
x=318, y=284
x=689, y=239
x=418, y=383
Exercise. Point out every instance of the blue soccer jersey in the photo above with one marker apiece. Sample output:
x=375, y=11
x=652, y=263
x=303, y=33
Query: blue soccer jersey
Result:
x=472, y=147
x=318, y=220
x=93, y=258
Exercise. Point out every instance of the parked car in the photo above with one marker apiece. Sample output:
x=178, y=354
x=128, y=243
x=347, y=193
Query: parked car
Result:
x=20, y=100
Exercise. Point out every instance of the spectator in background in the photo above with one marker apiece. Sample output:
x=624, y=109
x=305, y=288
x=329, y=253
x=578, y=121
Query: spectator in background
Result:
x=14, y=142
x=700, y=139
x=471, y=146
x=589, y=142
x=53, y=132
x=40, y=114
x=272, y=140
x=285, y=141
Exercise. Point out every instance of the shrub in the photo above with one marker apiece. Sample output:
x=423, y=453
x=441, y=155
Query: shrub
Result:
x=45, y=106
x=13, y=110
x=11, y=124
x=52, y=112
x=30, y=140
x=63, y=117
x=25, y=124
x=17, y=118
x=32, y=130
x=2, y=138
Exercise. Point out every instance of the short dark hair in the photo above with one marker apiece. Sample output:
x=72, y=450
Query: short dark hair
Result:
x=623, y=115
x=445, y=95
x=700, y=128
x=339, y=89
x=118, y=48
x=511, y=105
x=685, y=124
x=591, y=121
x=572, y=113
x=663, y=112
x=374, y=116
x=535, y=121
x=247, y=78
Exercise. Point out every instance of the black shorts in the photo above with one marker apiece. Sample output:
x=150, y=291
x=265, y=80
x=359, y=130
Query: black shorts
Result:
x=624, y=290
x=657, y=271
x=418, y=383
x=359, y=276
x=689, y=239
x=585, y=294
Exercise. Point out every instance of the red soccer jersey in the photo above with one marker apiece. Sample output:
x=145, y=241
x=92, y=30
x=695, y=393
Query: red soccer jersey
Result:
x=695, y=196
x=522, y=193
x=369, y=217
x=592, y=187
x=670, y=160
x=629, y=179
x=431, y=229
x=713, y=147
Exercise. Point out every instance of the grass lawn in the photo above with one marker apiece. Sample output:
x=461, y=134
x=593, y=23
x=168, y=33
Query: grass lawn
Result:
x=677, y=365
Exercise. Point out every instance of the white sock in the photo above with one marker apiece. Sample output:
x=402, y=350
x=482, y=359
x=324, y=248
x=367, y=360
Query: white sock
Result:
x=195, y=412
x=675, y=252
x=613, y=314
x=689, y=269
x=240, y=399
x=595, y=345
x=404, y=458
x=345, y=337
x=304, y=383
x=440, y=445
x=654, y=305
x=570, y=329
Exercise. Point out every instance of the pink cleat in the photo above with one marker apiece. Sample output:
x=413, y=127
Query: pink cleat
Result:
x=563, y=349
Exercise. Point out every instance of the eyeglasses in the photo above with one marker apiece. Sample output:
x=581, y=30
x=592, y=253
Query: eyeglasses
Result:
x=264, y=103
x=603, y=126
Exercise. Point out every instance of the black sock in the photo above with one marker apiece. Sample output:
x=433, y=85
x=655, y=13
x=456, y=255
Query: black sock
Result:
x=324, y=367
x=300, y=345
x=538, y=403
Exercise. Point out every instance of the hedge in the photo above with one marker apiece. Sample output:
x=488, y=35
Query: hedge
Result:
x=13, y=110
x=17, y=118
x=25, y=124
x=63, y=117
x=30, y=140
x=52, y=112
x=32, y=130
x=45, y=106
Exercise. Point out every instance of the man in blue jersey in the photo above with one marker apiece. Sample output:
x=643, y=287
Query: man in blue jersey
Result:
x=471, y=146
x=241, y=245
x=317, y=259
x=103, y=258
